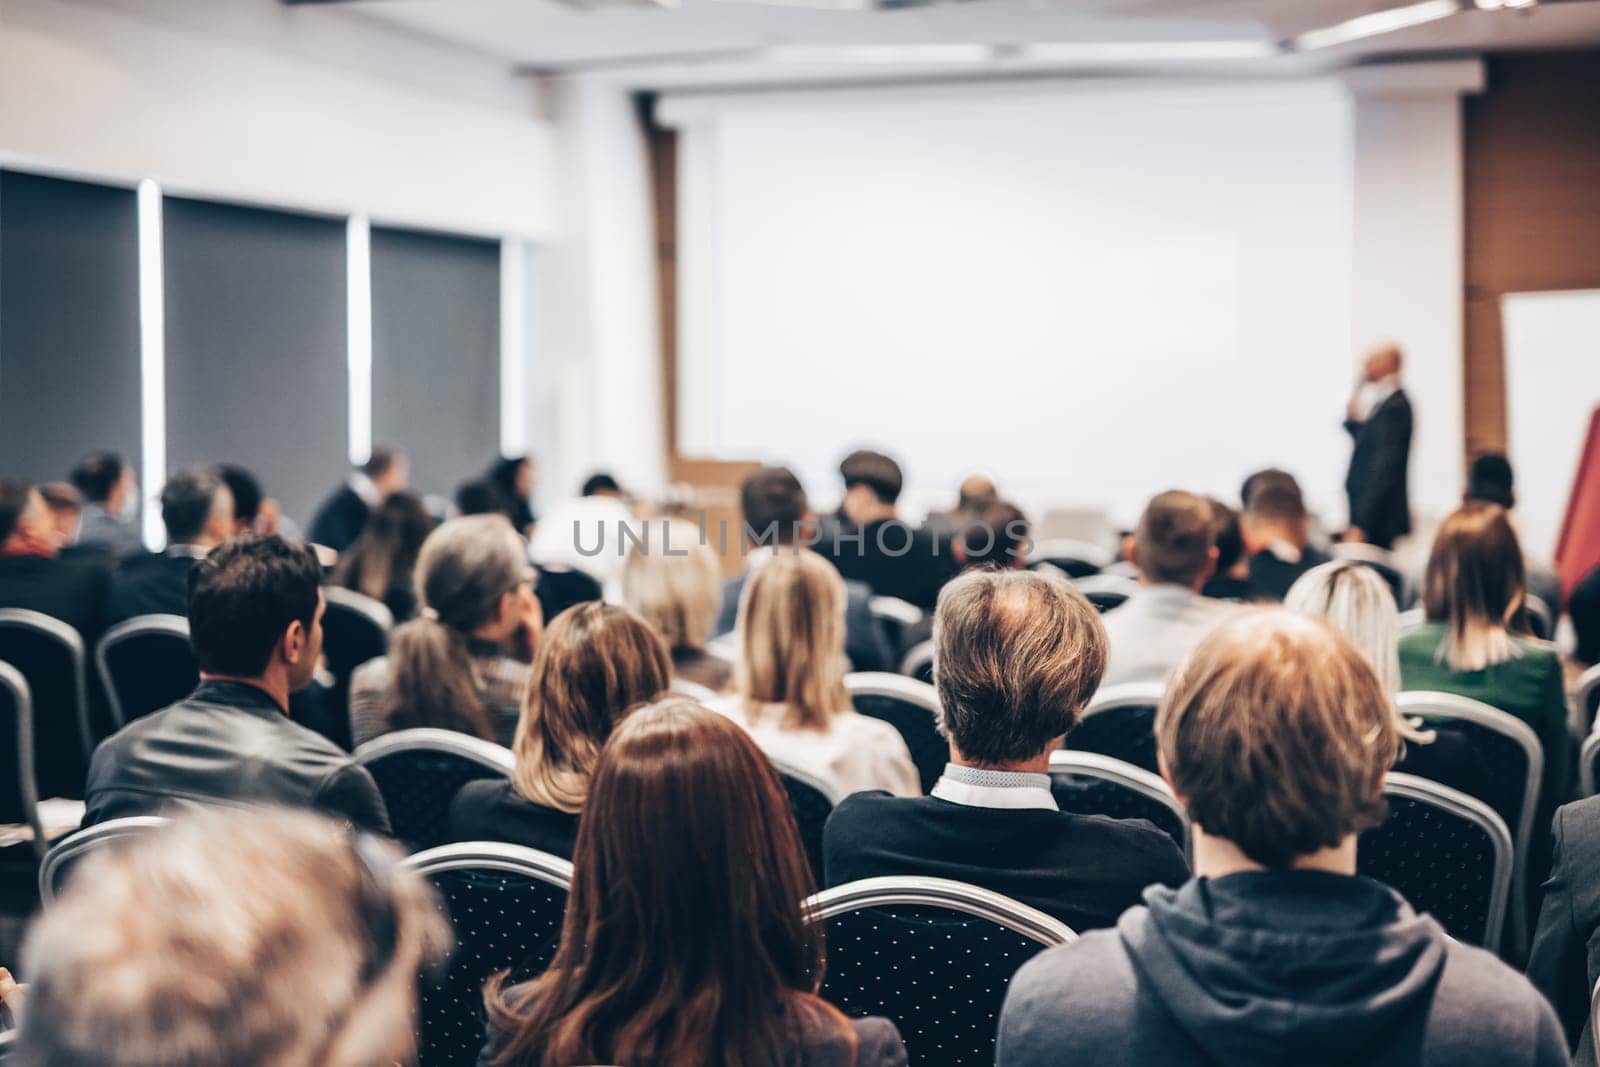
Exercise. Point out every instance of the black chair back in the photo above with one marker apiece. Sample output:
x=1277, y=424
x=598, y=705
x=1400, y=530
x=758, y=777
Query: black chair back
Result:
x=917, y=663
x=1589, y=765
x=911, y=707
x=1087, y=783
x=19, y=792
x=146, y=664
x=1074, y=559
x=1120, y=722
x=49, y=653
x=1586, y=701
x=812, y=801
x=897, y=619
x=932, y=955
x=63, y=858
x=355, y=629
x=419, y=773
x=505, y=904
x=1447, y=853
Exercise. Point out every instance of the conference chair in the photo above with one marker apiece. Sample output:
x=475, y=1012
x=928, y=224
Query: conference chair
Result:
x=505, y=904
x=1382, y=561
x=146, y=664
x=1447, y=853
x=1540, y=618
x=934, y=956
x=1120, y=721
x=912, y=708
x=1075, y=559
x=683, y=687
x=1589, y=765
x=1088, y=783
x=1586, y=700
x=1514, y=761
x=50, y=655
x=355, y=628
x=19, y=792
x=918, y=663
x=8, y=1041
x=1594, y=1015
x=895, y=618
x=63, y=859
x=419, y=772
x=1411, y=619
x=812, y=800
x=1107, y=591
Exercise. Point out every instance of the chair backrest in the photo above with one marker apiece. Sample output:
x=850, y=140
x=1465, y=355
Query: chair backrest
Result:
x=1107, y=591
x=419, y=773
x=49, y=653
x=1120, y=721
x=1075, y=559
x=918, y=662
x=895, y=618
x=1091, y=784
x=62, y=859
x=1411, y=619
x=1447, y=853
x=1540, y=617
x=355, y=629
x=934, y=956
x=1382, y=561
x=911, y=707
x=812, y=800
x=19, y=792
x=693, y=690
x=505, y=904
x=146, y=663
x=1586, y=699
x=1594, y=1016
x=1589, y=765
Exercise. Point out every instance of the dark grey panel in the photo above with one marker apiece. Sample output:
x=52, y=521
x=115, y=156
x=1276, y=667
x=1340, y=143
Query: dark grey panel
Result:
x=256, y=337
x=436, y=353
x=69, y=324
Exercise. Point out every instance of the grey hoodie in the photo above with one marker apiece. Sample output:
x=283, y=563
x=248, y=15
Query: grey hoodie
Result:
x=1301, y=968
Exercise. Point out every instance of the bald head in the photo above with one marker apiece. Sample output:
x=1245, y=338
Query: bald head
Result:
x=977, y=492
x=1382, y=362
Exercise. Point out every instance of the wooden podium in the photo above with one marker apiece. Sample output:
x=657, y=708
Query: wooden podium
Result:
x=1578, y=550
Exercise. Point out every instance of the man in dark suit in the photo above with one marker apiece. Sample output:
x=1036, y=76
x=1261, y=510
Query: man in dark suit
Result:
x=1565, y=962
x=873, y=546
x=110, y=498
x=32, y=574
x=343, y=515
x=1379, y=422
x=1276, y=531
x=197, y=508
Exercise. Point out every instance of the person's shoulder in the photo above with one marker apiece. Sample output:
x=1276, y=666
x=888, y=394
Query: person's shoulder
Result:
x=1089, y=981
x=872, y=804
x=1126, y=841
x=824, y=1039
x=878, y=1043
x=1578, y=825
x=1481, y=1002
x=865, y=728
x=1537, y=655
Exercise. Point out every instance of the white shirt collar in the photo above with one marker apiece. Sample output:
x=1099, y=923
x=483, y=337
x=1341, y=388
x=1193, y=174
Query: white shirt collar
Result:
x=1012, y=790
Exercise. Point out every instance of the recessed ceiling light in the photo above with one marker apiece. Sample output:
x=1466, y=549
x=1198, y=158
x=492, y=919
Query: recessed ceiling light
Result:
x=1379, y=22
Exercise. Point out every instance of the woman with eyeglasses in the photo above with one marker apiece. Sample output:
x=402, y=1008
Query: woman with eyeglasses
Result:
x=464, y=662
x=685, y=940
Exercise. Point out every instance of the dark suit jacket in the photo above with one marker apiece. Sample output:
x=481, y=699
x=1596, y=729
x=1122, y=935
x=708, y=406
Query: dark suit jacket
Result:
x=1376, y=484
x=339, y=519
x=864, y=640
x=1271, y=577
x=72, y=590
x=152, y=584
x=1565, y=961
x=891, y=559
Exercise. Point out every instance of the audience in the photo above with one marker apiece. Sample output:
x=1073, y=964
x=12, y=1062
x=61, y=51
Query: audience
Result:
x=1157, y=626
x=1018, y=655
x=253, y=510
x=462, y=664
x=255, y=616
x=777, y=518
x=976, y=493
x=34, y=575
x=340, y=518
x=66, y=511
x=789, y=685
x=586, y=534
x=1231, y=578
x=995, y=536
x=110, y=505
x=685, y=941
x=197, y=509
x=380, y=563
x=232, y=939
x=1276, y=735
x=1491, y=482
x=673, y=580
x=513, y=478
x=873, y=546
x=596, y=663
x=1276, y=532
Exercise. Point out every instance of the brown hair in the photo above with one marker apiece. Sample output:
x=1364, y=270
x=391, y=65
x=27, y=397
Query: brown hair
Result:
x=1017, y=656
x=596, y=663
x=388, y=548
x=685, y=940
x=1474, y=584
x=996, y=535
x=791, y=639
x=1174, y=538
x=1277, y=734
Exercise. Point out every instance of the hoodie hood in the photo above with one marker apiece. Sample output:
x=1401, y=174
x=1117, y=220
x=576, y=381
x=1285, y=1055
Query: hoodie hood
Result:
x=1290, y=967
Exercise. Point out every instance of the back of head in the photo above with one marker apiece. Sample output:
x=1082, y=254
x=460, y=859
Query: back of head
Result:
x=1277, y=735
x=503, y=472
x=246, y=490
x=791, y=638
x=15, y=495
x=380, y=462
x=243, y=596
x=673, y=581
x=1226, y=534
x=774, y=505
x=687, y=846
x=97, y=475
x=480, y=496
x=1474, y=583
x=599, y=484
x=1491, y=480
x=977, y=492
x=997, y=536
x=388, y=546
x=875, y=471
x=232, y=939
x=1174, y=538
x=188, y=502
x=1259, y=478
x=596, y=663
x=1016, y=657
x=1277, y=499
x=1357, y=602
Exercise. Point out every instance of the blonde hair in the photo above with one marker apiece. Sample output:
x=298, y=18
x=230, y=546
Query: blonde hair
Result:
x=1474, y=584
x=791, y=639
x=596, y=663
x=1277, y=734
x=676, y=585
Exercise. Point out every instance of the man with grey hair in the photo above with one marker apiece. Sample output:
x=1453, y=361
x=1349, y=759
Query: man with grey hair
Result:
x=1017, y=656
x=197, y=508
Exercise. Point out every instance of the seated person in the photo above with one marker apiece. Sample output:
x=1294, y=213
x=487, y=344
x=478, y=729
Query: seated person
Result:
x=1019, y=655
x=109, y=522
x=381, y=562
x=790, y=690
x=1231, y=578
x=1276, y=735
x=463, y=663
x=586, y=533
x=1491, y=481
x=66, y=511
x=976, y=493
x=255, y=618
x=1277, y=532
x=513, y=477
x=996, y=538
x=253, y=510
x=690, y=855
x=33, y=573
x=595, y=664
x=673, y=580
x=233, y=939
x=197, y=509
x=873, y=545
x=342, y=515
x=1156, y=627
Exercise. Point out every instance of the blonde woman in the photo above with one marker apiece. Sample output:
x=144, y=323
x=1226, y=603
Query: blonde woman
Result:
x=789, y=689
x=596, y=663
x=673, y=581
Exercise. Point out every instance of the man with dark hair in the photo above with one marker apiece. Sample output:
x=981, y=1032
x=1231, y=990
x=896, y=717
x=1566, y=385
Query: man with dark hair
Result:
x=1231, y=578
x=777, y=518
x=253, y=510
x=1277, y=531
x=601, y=484
x=480, y=496
x=1175, y=552
x=871, y=544
x=340, y=518
x=995, y=536
x=1018, y=656
x=1491, y=481
x=255, y=616
x=110, y=505
x=197, y=508
x=34, y=575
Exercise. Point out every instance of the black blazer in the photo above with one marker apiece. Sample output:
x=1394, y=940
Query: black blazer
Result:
x=1565, y=961
x=1376, y=484
x=151, y=584
x=72, y=590
x=340, y=519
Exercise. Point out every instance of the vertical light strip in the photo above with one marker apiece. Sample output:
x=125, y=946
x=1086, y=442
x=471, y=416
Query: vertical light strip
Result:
x=152, y=361
x=358, y=344
x=513, y=347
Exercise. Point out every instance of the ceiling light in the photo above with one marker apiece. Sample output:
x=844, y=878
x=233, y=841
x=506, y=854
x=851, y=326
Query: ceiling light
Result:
x=1379, y=22
x=1146, y=51
x=1489, y=5
x=882, y=53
